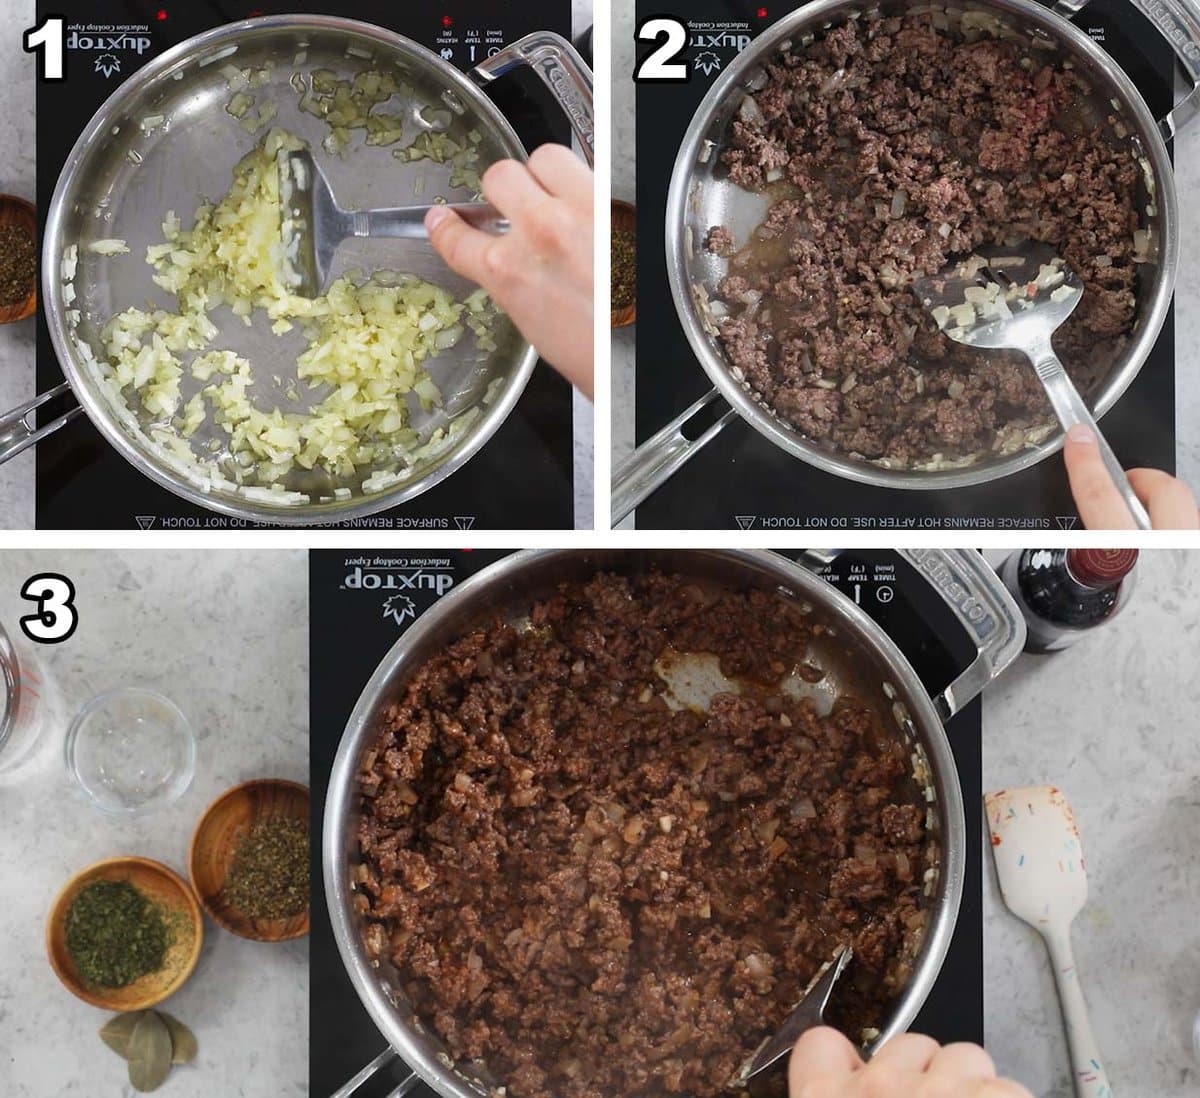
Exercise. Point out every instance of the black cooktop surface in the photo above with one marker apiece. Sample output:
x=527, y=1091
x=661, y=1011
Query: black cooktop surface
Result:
x=522, y=479
x=353, y=595
x=740, y=480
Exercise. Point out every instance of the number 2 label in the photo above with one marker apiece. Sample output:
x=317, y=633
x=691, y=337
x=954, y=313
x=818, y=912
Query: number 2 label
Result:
x=46, y=39
x=56, y=616
x=663, y=65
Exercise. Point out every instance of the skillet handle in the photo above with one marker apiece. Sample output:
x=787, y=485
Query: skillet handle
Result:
x=17, y=432
x=1178, y=21
x=658, y=458
x=378, y=1064
x=562, y=70
x=986, y=610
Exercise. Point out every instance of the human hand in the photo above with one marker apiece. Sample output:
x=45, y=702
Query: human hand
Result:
x=1171, y=504
x=825, y=1065
x=540, y=272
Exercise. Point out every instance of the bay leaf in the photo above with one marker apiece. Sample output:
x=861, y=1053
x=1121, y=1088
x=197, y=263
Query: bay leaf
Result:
x=117, y=1030
x=149, y=1052
x=183, y=1040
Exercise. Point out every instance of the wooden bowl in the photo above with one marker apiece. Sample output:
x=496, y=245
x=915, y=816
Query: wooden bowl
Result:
x=160, y=884
x=17, y=211
x=624, y=216
x=215, y=840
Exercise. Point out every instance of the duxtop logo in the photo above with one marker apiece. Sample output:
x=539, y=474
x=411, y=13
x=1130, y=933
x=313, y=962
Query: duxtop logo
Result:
x=108, y=42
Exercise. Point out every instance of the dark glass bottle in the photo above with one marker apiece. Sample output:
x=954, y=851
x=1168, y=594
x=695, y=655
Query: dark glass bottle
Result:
x=1063, y=593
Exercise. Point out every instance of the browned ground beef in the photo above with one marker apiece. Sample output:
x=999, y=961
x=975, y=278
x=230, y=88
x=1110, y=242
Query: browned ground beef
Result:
x=595, y=895
x=986, y=149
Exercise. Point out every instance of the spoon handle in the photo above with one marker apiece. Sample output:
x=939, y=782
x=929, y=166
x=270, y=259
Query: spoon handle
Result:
x=409, y=221
x=1091, y=1080
x=1070, y=408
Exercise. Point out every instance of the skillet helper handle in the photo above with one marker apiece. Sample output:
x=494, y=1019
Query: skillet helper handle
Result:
x=1072, y=411
x=17, y=432
x=409, y=221
x=378, y=1064
x=986, y=610
x=562, y=70
x=1178, y=21
x=660, y=457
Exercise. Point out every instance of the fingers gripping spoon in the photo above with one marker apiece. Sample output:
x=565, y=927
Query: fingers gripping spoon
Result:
x=314, y=224
x=1017, y=302
x=1040, y=865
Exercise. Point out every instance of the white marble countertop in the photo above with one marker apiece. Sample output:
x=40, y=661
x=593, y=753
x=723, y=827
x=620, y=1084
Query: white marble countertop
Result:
x=1112, y=722
x=17, y=341
x=1187, y=291
x=224, y=635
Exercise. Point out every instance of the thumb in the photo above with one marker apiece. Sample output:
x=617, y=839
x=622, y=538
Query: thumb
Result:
x=1100, y=504
x=462, y=248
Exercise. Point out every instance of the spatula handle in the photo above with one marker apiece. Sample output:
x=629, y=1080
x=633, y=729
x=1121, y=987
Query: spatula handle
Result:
x=1091, y=1080
x=409, y=221
x=1070, y=408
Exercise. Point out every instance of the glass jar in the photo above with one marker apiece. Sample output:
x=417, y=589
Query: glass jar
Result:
x=27, y=706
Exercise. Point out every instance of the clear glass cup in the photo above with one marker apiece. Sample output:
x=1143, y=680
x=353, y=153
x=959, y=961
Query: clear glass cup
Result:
x=132, y=751
x=26, y=707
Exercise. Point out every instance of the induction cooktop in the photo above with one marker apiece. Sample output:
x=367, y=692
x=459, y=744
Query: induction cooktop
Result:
x=523, y=477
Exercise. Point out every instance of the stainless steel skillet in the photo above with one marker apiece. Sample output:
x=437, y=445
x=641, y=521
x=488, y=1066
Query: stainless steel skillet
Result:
x=127, y=170
x=701, y=196
x=857, y=656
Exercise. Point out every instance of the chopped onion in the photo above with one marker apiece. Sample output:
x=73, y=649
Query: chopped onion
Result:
x=367, y=345
x=804, y=809
x=749, y=111
x=108, y=247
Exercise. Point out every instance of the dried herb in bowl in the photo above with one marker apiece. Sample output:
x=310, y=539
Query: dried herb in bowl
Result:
x=115, y=934
x=268, y=876
x=18, y=264
x=624, y=269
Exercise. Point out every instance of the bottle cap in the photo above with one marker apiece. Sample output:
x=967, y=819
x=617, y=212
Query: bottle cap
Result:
x=1101, y=567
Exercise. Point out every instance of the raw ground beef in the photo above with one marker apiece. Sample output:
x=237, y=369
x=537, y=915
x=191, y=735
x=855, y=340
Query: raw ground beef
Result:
x=893, y=147
x=596, y=895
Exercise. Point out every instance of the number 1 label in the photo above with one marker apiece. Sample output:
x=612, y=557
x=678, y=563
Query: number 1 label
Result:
x=46, y=40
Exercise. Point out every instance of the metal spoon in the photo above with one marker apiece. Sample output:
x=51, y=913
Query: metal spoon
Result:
x=1017, y=301
x=314, y=224
x=808, y=1014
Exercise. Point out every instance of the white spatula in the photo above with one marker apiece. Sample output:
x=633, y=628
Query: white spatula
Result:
x=1040, y=865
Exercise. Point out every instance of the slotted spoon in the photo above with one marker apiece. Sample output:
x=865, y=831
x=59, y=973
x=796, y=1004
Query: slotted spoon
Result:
x=1017, y=301
x=1040, y=866
x=807, y=1014
x=314, y=225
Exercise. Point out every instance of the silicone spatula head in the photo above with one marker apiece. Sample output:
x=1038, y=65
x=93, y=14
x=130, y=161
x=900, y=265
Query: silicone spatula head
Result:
x=1039, y=860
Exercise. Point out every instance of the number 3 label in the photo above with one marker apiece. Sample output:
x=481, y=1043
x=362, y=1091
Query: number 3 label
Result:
x=56, y=616
x=661, y=66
